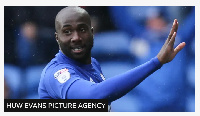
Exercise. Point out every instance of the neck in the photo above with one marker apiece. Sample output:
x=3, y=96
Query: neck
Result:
x=86, y=60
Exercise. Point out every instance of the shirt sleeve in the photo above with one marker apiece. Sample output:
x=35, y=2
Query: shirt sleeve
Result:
x=115, y=87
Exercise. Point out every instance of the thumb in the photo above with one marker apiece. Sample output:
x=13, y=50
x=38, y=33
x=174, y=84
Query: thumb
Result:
x=179, y=47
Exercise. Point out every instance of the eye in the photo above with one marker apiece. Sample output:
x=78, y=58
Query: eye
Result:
x=83, y=29
x=68, y=32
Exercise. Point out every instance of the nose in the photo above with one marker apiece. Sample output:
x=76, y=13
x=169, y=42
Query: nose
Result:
x=75, y=37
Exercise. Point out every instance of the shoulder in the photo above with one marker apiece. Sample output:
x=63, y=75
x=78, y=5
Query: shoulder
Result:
x=96, y=64
x=56, y=78
x=54, y=68
x=94, y=61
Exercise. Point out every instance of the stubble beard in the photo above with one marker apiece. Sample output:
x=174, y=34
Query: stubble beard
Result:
x=84, y=58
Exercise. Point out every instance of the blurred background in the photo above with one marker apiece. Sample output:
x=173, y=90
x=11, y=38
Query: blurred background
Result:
x=125, y=37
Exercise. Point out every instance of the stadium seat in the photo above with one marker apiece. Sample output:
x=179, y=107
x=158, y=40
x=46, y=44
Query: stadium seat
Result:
x=12, y=76
x=127, y=103
x=111, y=45
x=33, y=74
x=113, y=68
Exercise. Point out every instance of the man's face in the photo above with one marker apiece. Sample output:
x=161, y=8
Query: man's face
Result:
x=75, y=36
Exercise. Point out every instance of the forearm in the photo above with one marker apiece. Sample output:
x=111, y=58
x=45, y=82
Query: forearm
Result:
x=115, y=87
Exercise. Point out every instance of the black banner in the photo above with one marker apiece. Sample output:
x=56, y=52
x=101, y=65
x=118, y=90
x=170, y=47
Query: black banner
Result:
x=55, y=105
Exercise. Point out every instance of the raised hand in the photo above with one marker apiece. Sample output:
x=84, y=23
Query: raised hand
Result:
x=167, y=52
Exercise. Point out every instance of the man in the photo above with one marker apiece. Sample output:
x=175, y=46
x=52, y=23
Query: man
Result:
x=74, y=74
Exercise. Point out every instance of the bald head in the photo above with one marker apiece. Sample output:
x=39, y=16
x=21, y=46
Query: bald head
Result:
x=70, y=13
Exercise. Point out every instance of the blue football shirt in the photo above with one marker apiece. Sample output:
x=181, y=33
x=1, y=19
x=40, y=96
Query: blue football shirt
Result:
x=61, y=72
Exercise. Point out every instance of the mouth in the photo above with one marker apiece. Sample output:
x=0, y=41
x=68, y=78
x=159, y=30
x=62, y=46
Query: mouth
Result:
x=77, y=49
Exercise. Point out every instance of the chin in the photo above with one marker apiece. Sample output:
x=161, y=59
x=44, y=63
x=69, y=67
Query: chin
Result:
x=83, y=58
x=80, y=57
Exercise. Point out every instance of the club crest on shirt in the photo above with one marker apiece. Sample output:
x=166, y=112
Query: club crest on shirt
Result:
x=62, y=75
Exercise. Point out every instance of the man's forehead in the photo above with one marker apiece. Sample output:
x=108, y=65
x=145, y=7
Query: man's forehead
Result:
x=71, y=15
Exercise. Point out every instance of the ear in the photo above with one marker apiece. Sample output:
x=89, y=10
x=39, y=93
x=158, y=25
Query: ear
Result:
x=92, y=30
x=56, y=36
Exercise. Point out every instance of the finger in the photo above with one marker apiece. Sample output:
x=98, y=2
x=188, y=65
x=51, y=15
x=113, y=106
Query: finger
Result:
x=173, y=29
x=172, y=40
x=176, y=27
x=179, y=47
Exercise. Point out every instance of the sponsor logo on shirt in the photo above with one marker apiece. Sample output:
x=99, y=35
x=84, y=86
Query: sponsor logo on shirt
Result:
x=62, y=75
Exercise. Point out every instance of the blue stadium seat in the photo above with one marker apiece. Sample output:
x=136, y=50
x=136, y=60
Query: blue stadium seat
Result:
x=127, y=103
x=12, y=76
x=111, y=44
x=113, y=68
x=33, y=74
